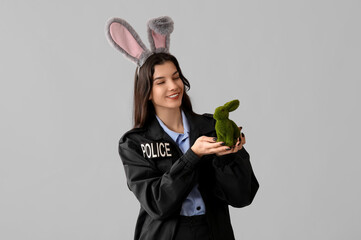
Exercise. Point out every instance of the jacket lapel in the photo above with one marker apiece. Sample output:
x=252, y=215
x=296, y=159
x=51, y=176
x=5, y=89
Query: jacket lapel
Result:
x=199, y=126
x=156, y=132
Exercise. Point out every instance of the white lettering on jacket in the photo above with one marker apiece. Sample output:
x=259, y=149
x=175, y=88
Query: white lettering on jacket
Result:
x=154, y=150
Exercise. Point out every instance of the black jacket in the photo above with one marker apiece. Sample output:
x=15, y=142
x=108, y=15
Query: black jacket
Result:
x=161, y=177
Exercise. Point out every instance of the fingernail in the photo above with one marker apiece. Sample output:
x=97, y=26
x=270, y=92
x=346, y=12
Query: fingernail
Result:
x=242, y=135
x=238, y=144
x=223, y=143
x=228, y=148
x=215, y=139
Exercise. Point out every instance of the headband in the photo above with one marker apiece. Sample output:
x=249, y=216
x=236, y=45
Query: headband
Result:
x=124, y=38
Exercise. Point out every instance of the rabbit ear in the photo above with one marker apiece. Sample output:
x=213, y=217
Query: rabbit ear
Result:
x=124, y=38
x=159, y=30
x=232, y=105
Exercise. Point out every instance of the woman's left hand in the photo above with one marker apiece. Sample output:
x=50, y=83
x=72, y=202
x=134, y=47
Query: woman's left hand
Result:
x=241, y=141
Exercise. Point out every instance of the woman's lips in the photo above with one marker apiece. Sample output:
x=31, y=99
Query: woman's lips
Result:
x=174, y=96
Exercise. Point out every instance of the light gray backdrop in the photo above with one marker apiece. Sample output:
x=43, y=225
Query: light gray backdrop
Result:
x=66, y=99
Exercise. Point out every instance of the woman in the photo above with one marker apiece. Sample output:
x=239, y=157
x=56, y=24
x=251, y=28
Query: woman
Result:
x=183, y=178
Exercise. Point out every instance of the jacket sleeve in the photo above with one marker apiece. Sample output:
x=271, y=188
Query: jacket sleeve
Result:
x=161, y=195
x=235, y=182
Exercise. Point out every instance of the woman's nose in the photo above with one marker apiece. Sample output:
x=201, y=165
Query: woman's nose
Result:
x=172, y=85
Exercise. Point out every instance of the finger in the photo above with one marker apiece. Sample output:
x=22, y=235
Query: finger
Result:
x=221, y=153
x=210, y=139
x=238, y=141
x=228, y=150
x=221, y=149
x=239, y=147
x=243, y=138
x=214, y=147
x=206, y=139
x=236, y=147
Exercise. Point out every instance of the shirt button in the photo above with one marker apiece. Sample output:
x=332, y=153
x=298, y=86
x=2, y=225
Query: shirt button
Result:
x=198, y=208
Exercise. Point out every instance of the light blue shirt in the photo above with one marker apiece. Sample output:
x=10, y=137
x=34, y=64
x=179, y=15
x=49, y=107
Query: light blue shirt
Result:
x=193, y=204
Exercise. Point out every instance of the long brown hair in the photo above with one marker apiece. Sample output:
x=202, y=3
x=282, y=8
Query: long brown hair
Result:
x=143, y=108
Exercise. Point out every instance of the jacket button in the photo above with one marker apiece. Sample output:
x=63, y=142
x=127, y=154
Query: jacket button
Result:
x=198, y=208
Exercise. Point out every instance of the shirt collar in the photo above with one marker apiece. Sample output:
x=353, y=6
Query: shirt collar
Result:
x=175, y=135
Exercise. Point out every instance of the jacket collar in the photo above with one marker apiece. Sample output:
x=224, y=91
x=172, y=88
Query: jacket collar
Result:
x=199, y=125
x=175, y=135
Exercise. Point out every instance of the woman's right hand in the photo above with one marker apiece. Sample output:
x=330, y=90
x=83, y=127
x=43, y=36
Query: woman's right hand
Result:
x=208, y=145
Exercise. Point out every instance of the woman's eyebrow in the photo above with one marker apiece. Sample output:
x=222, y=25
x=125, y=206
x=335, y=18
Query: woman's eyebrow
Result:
x=164, y=77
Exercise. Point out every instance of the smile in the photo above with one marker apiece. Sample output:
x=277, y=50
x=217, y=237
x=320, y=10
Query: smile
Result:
x=174, y=96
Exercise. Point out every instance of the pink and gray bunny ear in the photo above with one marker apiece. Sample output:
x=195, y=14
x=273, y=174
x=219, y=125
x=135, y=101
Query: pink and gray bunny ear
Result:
x=124, y=38
x=159, y=30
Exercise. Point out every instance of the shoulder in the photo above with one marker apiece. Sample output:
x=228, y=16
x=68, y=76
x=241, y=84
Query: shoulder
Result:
x=134, y=134
x=205, y=118
x=129, y=145
x=146, y=133
x=202, y=123
x=208, y=115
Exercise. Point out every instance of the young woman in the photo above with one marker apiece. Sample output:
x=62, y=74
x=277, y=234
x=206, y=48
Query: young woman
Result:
x=183, y=178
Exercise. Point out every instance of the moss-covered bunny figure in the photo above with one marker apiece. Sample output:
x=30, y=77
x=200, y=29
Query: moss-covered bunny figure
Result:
x=227, y=131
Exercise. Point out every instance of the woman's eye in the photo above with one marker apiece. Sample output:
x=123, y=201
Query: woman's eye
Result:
x=159, y=83
x=176, y=78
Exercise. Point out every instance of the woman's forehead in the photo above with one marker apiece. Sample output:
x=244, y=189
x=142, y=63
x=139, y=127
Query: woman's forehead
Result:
x=167, y=68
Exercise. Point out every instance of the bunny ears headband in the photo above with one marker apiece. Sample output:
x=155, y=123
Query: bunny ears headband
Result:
x=124, y=38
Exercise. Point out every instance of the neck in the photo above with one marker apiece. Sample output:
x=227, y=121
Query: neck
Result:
x=172, y=118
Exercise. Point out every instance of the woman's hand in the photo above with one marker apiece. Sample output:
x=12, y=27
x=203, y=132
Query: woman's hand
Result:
x=209, y=145
x=241, y=141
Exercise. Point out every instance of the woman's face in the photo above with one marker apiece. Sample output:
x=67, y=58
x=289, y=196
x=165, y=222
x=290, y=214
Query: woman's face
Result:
x=168, y=87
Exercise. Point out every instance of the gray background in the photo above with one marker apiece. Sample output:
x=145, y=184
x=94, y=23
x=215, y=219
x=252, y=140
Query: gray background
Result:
x=66, y=99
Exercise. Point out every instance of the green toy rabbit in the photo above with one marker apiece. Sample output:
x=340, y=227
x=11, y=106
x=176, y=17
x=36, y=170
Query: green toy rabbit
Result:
x=227, y=131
